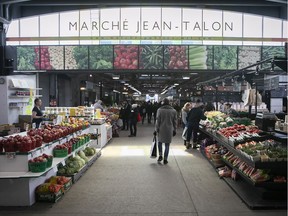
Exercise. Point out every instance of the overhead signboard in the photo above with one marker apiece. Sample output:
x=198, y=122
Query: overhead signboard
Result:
x=146, y=25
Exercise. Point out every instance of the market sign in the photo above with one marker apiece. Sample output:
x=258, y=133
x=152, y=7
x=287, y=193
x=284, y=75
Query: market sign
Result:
x=147, y=25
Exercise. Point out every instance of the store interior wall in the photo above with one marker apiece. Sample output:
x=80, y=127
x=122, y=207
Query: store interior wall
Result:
x=64, y=91
x=44, y=84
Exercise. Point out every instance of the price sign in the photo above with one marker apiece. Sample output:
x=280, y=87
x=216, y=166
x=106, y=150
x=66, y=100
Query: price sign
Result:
x=32, y=154
x=11, y=155
x=42, y=149
x=55, y=169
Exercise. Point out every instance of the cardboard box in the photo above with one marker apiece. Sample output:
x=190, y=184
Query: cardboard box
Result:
x=3, y=127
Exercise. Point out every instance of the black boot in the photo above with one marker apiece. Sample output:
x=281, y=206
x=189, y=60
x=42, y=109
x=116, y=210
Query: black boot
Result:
x=160, y=158
x=165, y=161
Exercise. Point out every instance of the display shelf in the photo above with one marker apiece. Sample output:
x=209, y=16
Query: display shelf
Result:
x=76, y=176
x=18, y=88
x=55, y=163
x=15, y=107
x=267, y=184
x=16, y=96
x=259, y=165
x=253, y=197
x=210, y=161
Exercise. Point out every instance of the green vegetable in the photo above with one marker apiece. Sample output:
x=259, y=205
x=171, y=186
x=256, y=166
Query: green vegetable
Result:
x=101, y=57
x=151, y=57
x=272, y=51
x=225, y=57
x=82, y=155
x=26, y=58
x=81, y=56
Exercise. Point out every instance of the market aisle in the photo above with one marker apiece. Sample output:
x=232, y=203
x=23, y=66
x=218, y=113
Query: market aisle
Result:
x=125, y=181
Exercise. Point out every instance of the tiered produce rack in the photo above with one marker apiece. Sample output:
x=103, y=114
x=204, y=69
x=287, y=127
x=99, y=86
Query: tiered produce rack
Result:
x=256, y=195
x=18, y=185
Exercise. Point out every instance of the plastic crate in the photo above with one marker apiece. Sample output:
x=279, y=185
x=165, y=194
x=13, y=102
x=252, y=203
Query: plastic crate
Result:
x=60, y=153
x=37, y=167
x=49, y=162
x=50, y=197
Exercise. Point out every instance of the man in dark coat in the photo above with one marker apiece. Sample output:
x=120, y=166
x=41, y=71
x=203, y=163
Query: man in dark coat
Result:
x=166, y=123
x=133, y=119
x=126, y=115
x=193, y=119
x=149, y=111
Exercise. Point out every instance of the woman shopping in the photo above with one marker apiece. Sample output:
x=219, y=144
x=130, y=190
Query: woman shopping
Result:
x=37, y=114
x=184, y=113
x=166, y=123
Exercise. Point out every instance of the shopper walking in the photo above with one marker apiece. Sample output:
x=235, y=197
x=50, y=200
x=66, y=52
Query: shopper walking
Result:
x=193, y=119
x=143, y=111
x=127, y=111
x=184, y=113
x=165, y=127
x=149, y=112
x=37, y=114
x=133, y=119
x=154, y=109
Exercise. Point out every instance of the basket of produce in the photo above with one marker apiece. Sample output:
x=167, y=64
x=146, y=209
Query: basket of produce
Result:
x=37, y=166
x=60, y=151
x=61, y=180
x=49, y=192
x=49, y=159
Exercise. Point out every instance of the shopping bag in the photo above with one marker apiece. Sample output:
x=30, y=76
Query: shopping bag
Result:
x=153, y=152
x=120, y=122
x=139, y=119
x=184, y=134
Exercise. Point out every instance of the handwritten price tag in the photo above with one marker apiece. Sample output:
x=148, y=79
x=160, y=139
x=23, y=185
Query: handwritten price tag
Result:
x=11, y=155
x=42, y=149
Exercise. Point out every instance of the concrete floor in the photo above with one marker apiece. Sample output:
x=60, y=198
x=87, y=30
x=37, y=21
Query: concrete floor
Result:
x=125, y=181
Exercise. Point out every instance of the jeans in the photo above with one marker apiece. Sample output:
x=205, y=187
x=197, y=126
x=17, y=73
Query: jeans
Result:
x=192, y=130
x=166, y=153
x=133, y=128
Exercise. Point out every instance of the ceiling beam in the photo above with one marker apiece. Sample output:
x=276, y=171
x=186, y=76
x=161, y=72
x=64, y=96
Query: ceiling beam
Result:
x=13, y=2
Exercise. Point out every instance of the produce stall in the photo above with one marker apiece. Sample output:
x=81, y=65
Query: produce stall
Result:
x=29, y=159
x=253, y=163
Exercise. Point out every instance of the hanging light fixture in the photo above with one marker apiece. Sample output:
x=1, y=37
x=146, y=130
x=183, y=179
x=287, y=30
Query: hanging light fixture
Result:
x=83, y=85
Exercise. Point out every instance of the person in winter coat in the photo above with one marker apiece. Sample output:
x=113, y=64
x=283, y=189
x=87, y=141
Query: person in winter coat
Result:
x=133, y=119
x=126, y=114
x=154, y=109
x=149, y=110
x=166, y=123
x=184, y=113
x=193, y=119
x=143, y=111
